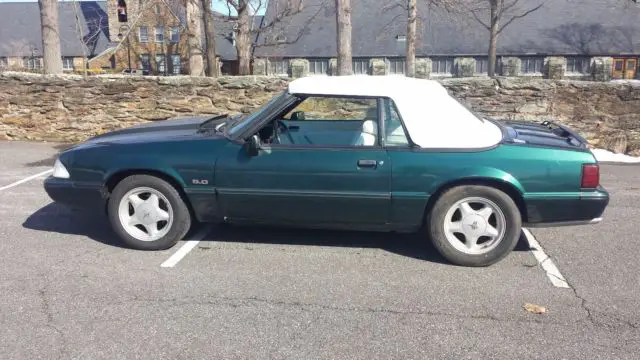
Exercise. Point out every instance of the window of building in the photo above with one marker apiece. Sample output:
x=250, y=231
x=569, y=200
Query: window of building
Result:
x=318, y=66
x=442, y=66
x=145, y=63
x=143, y=34
x=159, y=34
x=360, y=66
x=397, y=66
x=157, y=9
x=174, y=34
x=67, y=63
x=531, y=65
x=122, y=11
x=482, y=66
x=161, y=64
x=32, y=63
x=176, y=64
x=280, y=67
x=579, y=64
x=3, y=62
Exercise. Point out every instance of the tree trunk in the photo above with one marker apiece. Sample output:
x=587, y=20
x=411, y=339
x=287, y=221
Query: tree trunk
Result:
x=85, y=58
x=194, y=34
x=411, y=39
x=343, y=27
x=243, y=38
x=493, y=38
x=50, y=36
x=209, y=39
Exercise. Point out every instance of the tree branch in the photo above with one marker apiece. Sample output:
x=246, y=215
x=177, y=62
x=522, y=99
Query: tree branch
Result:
x=473, y=12
x=519, y=17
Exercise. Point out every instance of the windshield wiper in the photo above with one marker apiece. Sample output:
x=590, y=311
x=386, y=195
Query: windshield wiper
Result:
x=202, y=126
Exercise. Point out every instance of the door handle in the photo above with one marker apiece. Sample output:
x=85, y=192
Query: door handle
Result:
x=367, y=163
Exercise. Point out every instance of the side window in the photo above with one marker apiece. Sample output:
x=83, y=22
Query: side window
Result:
x=332, y=121
x=395, y=135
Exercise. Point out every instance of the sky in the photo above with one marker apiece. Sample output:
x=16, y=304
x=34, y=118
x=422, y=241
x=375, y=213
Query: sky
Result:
x=218, y=5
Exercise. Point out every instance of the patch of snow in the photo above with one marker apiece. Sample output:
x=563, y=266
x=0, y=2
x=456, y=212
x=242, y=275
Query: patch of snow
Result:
x=627, y=81
x=607, y=156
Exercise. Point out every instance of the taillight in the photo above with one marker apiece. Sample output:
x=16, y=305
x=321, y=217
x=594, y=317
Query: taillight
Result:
x=590, y=176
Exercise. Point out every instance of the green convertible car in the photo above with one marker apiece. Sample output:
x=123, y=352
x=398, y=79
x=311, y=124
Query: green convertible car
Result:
x=385, y=153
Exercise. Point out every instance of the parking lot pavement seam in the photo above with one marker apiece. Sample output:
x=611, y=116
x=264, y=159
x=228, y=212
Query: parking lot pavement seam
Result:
x=309, y=307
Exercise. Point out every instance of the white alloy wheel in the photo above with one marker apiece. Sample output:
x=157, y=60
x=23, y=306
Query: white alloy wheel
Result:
x=474, y=225
x=145, y=214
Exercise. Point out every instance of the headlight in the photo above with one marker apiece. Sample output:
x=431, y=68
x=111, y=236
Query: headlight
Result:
x=59, y=171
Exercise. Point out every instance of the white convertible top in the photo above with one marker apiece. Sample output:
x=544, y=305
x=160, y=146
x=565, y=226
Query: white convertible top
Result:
x=433, y=118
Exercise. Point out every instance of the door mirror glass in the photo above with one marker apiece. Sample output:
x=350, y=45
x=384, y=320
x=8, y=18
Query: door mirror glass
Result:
x=253, y=145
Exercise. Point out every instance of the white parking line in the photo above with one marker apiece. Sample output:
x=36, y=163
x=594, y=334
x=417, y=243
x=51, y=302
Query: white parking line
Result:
x=545, y=261
x=187, y=247
x=26, y=179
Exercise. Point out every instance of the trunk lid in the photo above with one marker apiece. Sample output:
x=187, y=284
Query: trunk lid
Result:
x=546, y=133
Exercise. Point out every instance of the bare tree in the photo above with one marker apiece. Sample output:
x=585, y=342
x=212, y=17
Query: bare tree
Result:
x=50, y=28
x=194, y=36
x=411, y=38
x=211, y=69
x=500, y=11
x=247, y=32
x=95, y=27
x=343, y=36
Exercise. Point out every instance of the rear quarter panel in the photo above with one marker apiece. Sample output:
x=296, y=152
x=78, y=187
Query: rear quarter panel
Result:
x=531, y=171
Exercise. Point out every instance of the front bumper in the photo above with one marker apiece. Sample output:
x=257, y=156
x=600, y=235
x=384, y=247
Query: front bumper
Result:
x=76, y=195
x=587, y=208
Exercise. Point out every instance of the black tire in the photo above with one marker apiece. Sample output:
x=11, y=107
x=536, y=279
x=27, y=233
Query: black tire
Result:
x=436, y=220
x=181, y=215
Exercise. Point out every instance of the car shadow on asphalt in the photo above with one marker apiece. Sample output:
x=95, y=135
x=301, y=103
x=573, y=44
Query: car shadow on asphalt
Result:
x=410, y=245
x=57, y=218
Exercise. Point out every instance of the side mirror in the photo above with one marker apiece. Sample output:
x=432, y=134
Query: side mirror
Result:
x=253, y=145
x=298, y=115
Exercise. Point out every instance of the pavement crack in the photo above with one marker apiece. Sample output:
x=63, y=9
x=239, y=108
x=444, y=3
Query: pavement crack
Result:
x=50, y=323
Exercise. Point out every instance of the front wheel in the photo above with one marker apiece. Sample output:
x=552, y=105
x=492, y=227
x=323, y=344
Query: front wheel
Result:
x=148, y=213
x=474, y=225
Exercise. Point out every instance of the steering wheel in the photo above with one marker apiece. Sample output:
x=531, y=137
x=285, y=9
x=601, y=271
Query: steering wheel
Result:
x=281, y=128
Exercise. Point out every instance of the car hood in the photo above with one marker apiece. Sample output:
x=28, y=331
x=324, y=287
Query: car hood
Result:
x=164, y=130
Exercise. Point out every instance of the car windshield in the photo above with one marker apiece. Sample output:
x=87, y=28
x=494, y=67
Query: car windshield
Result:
x=243, y=122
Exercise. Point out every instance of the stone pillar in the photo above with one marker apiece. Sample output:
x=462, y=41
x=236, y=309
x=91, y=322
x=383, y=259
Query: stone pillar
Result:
x=423, y=68
x=556, y=67
x=511, y=66
x=261, y=66
x=378, y=67
x=333, y=67
x=602, y=68
x=465, y=67
x=299, y=68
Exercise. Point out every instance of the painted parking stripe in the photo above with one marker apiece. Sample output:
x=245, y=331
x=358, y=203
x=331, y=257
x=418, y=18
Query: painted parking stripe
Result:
x=187, y=247
x=546, y=262
x=26, y=179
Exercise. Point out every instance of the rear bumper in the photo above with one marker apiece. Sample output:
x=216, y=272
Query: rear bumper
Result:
x=586, y=209
x=76, y=195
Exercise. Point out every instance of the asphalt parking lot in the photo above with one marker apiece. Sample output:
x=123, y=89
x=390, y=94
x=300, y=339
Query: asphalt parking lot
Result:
x=69, y=290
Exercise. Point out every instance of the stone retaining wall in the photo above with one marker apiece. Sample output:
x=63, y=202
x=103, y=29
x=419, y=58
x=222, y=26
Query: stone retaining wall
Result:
x=70, y=108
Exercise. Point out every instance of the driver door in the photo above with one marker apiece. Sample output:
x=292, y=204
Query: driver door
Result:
x=322, y=168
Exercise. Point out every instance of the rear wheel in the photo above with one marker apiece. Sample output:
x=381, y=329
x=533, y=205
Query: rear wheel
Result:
x=474, y=225
x=148, y=213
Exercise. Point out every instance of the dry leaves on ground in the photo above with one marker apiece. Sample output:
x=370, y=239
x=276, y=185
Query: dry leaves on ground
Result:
x=535, y=309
